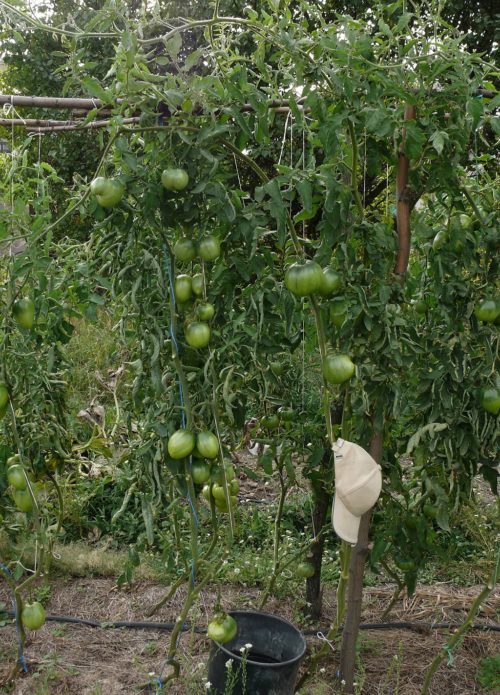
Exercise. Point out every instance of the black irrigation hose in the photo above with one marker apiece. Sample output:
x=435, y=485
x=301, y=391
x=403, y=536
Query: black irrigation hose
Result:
x=104, y=624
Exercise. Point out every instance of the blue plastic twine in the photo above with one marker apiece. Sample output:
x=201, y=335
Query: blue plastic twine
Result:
x=22, y=660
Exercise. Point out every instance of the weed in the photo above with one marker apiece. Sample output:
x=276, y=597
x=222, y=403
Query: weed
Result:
x=488, y=675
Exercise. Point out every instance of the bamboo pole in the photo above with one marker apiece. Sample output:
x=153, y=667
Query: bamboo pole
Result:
x=403, y=203
x=81, y=125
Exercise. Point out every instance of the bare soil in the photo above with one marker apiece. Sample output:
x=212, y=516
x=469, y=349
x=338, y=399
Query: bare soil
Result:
x=75, y=659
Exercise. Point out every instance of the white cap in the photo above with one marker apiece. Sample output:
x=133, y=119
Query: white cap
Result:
x=358, y=482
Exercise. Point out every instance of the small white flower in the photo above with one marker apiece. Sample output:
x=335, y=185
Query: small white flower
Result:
x=322, y=670
x=236, y=570
x=151, y=674
x=208, y=685
x=229, y=664
x=248, y=645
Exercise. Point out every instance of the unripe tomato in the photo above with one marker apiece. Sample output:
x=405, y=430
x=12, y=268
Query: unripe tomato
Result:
x=33, y=615
x=24, y=312
x=490, y=400
x=218, y=492
x=338, y=311
x=305, y=570
x=338, y=368
x=205, y=311
x=488, y=311
x=207, y=444
x=23, y=500
x=108, y=192
x=277, y=368
x=420, y=306
x=405, y=564
x=286, y=414
x=13, y=460
x=197, y=284
x=183, y=288
x=222, y=505
x=185, y=250
x=4, y=395
x=17, y=477
x=303, y=279
x=270, y=422
x=209, y=248
x=174, y=179
x=181, y=444
x=198, y=334
x=331, y=282
x=200, y=472
x=206, y=492
x=440, y=240
x=222, y=628
x=234, y=487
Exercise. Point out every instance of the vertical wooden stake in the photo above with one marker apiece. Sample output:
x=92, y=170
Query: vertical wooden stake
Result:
x=403, y=203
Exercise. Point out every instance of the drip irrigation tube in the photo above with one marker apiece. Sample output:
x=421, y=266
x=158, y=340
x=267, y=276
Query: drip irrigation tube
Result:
x=113, y=624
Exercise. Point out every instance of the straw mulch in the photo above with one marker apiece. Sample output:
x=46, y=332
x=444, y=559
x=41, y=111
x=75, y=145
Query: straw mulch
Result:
x=86, y=661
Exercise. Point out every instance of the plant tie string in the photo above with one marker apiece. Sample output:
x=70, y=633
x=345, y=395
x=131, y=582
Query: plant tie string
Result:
x=21, y=659
x=325, y=639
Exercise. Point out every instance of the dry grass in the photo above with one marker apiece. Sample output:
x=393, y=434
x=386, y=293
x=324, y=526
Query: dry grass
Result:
x=80, y=660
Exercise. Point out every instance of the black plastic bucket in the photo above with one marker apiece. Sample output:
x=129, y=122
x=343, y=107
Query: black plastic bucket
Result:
x=271, y=664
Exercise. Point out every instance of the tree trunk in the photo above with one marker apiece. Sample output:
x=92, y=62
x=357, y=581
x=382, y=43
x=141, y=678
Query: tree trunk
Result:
x=314, y=593
x=355, y=591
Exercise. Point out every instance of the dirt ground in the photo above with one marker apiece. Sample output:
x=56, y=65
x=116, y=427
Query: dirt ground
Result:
x=80, y=660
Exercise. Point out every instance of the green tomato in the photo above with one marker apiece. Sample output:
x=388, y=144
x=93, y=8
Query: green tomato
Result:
x=205, y=311
x=270, y=422
x=108, y=192
x=181, y=444
x=488, y=311
x=338, y=368
x=207, y=444
x=331, y=283
x=209, y=248
x=286, y=414
x=303, y=279
x=17, y=477
x=218, y=492
x=440, y=240
x=465, y=221
x=305, y=570
x=183, y=288
x=4, y=396
x=222, y=628
x=404, y=564
x=198, y=285
x=13, y=460
x=234, y=488
x=338, y=311
x=420, y=306
x=222, y=505
x=24, y=312
x=277, y=368
x=200, y=472
x=490, y=400
x=206, y=492
x=23, y=500
x=198, y=334
x=33, y=615
x=174, y=179
x=184, y=250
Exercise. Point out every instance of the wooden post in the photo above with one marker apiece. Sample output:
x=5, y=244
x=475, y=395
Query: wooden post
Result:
x=403, y=203
x=355, y=590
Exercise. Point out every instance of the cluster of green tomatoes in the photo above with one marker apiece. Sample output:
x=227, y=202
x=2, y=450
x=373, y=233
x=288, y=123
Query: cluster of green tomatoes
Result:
x=23, y=312
x=203, y=448
x=309, y=278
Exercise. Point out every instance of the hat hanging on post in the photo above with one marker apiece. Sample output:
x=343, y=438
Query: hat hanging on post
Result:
x=358, y=483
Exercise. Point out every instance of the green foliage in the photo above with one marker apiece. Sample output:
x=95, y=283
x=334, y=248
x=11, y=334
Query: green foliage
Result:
x=488, y=675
